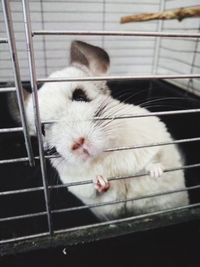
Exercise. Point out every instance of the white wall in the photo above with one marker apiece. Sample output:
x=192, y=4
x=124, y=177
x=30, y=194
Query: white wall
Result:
x=129, y=55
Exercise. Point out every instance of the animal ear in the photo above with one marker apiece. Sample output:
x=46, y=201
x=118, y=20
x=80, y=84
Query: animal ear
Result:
x=93, y=57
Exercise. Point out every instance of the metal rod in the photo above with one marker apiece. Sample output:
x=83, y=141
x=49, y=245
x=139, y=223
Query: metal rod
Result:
x=23, y=238
x=20, y=191
x=180, y=141
x=190, y=85
x=31, y=60
x=146, y=215
x=188, y=140
x=80, y=235
x=158, y=40
x=16, y=71
x=159, y=113
x=114, y=202
x=96, y=205
x=150, y=114
x=8, y=89
x=11, y=130
x=3, y=41
x=90, y=181
x=176, y=49
x=24, y=216
x=119, y=77
x=17, y=160
x=8, y=161
x=119, y=33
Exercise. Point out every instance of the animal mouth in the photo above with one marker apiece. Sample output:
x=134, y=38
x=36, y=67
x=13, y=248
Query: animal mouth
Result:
x=85, y=151
x=84, y=154
x=82, y=149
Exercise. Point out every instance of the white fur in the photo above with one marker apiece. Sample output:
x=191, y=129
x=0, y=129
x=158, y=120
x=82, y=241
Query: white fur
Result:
x=75, y=120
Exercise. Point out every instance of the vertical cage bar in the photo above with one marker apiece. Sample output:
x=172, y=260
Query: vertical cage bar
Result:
x=44, y=43
x=103, y=22
x=190, y=86
x=158, y=40
x=31, y=60
x=17, y=78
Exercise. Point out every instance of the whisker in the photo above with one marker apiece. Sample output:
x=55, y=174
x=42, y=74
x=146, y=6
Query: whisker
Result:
x=163, y=105
x=130, y=94
x=162, y=99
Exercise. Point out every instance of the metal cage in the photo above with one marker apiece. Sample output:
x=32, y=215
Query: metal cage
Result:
x=94, y=231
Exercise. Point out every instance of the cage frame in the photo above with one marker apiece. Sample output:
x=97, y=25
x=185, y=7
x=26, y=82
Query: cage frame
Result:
x=101, y=230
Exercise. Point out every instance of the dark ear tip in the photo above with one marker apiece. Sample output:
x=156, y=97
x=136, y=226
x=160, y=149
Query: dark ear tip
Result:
x=78, y=44
x=75, y=43
x=100, y=51
x=87, y=54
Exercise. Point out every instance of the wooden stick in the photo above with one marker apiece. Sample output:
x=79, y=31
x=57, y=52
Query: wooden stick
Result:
x=178, y=14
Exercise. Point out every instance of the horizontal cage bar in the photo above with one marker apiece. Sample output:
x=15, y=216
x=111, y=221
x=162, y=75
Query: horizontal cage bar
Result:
x=19, y=191
x=147, y=215
x=123, y=78
x=180, y=141
x=8, y=161
x=102, y=204
x=188, y=140
x=124, y=201
x=159, y=113
x=11, y=130
x=118, y=33
x=197, y=165
x=89, y=181
x=16, y=160
x=195, y=139
x=80, y=229
x=23, y=237
x=7, y=89
x=24, y=216
x=3, y=40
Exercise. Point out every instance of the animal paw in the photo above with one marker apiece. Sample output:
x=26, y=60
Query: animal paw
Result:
x=155, y=170
x=101, y=184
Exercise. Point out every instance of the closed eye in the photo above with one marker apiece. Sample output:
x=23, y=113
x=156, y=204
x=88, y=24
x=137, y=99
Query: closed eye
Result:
x=80, y=95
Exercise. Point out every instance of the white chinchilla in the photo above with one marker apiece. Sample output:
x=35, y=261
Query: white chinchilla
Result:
x=81, y=141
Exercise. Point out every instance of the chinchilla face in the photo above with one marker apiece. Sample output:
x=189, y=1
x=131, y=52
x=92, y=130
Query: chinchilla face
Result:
x=76, y=135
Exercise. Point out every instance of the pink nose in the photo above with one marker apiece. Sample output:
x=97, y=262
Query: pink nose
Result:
x=78, y=143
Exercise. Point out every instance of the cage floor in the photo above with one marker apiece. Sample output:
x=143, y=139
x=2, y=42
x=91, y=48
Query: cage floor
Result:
x=174, y=246
x=161, y=247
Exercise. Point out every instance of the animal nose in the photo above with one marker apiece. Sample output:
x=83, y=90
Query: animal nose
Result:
x=78, y=143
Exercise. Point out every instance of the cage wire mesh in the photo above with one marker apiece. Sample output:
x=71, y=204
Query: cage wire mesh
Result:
x=139, y=51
